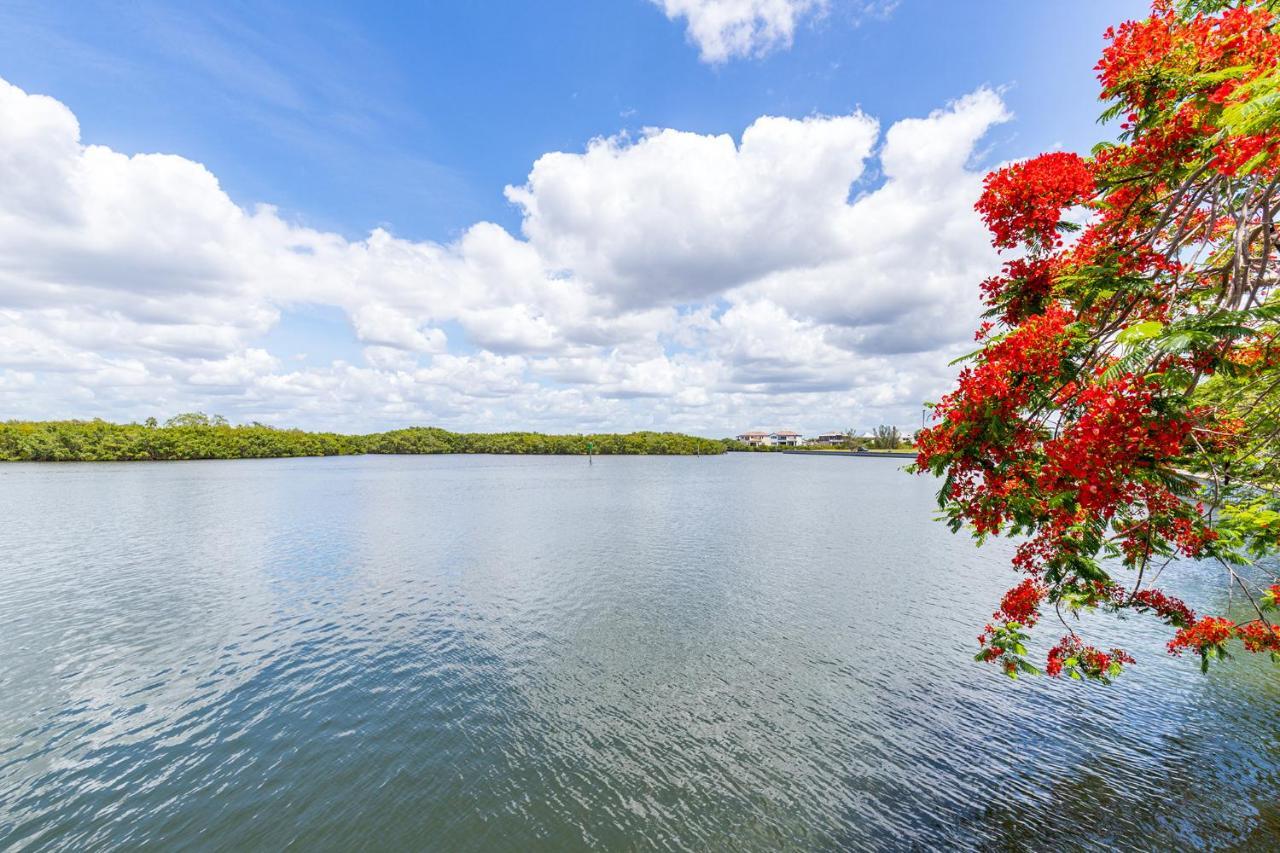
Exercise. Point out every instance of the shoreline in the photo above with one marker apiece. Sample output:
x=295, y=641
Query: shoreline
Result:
x=198, y=436
x=891, y=454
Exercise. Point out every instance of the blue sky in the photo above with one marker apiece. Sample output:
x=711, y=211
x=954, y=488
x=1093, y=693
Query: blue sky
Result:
x=413, y=118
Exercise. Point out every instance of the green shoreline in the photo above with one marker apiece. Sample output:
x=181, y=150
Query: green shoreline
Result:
x=190, y=437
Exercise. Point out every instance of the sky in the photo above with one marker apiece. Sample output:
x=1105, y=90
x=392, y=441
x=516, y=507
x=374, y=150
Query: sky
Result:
x=699, y=215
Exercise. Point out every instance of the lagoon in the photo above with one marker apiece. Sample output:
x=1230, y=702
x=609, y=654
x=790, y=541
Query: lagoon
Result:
x=751, y=651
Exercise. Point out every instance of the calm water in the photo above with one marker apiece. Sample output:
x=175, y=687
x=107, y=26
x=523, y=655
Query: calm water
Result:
x=487, y=653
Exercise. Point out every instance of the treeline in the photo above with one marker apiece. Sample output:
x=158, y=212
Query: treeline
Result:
x=198, y=436
x=434, y=440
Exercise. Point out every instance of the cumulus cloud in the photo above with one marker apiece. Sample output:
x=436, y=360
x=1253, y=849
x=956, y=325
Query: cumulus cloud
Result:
x=680, y=216
x=811, y=272
x=903, y=278
x=725, y=29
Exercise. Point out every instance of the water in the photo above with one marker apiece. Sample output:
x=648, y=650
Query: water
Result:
x=750, y=652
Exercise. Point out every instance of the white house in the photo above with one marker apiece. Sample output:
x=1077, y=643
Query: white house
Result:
x=785, y=438
x=780, y=438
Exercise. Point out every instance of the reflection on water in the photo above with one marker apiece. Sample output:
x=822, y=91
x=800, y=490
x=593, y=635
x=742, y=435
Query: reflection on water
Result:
x=485, y=653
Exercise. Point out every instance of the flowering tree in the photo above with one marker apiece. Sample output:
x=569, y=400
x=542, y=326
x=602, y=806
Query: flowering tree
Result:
x=1124, y=409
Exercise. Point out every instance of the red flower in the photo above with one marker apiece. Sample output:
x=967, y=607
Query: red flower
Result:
x=1023, y=288
x=1025, y=201
x=1072, y=656
x=1258, y=637
x=1211, y=632
x=1172, y=610
x=1022, y=603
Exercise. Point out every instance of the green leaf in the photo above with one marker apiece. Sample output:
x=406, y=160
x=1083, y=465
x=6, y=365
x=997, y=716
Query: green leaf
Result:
x=1223, y=74
x=1140, y=332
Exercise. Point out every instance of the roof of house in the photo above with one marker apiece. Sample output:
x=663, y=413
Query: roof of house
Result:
x=784, y=432
x=754, y=433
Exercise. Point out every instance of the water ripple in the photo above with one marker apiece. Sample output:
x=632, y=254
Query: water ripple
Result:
x=749, y=652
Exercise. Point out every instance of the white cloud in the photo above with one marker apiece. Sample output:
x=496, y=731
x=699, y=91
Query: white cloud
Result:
x=680, y=216
x=725, y=29
x=384, y=326
x=732, y=29
x=677, y=280
x=912, y=251
x=233, y=370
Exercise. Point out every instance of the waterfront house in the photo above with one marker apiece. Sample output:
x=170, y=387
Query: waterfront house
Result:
x=785, y=438
x=829, y=438
x=755, y=438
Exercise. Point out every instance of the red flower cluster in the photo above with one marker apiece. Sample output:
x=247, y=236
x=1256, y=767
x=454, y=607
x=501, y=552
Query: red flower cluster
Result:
x=1022, y=290
x=1141, y=53
x=1258, y=637
x=1002, y=639
x=1166, y=47
x=1168, y=608
x=1022, y=603
x=1210, y=632
x=1025, y=202
x=1081, y=661
x=1235, y=153
x=1210, y=635
x=1020, y=606
x=1118, y=430
x=990, y=396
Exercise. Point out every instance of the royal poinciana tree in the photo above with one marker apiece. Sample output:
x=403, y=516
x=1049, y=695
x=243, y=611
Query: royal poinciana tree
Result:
x=1123, y=412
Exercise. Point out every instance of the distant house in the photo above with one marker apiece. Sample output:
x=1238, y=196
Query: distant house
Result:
x=785, y=438
x=829, y=438
x=781, y=438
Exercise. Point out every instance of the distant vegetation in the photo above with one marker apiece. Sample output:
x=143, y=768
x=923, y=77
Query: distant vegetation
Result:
x=886, y=438
x=199, y=436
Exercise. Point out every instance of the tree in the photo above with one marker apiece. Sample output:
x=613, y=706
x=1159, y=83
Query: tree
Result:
x=189, y=419
x=885, y=437
x=1124, y=409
